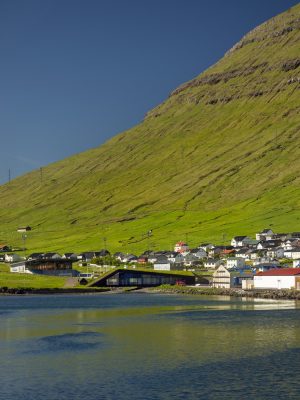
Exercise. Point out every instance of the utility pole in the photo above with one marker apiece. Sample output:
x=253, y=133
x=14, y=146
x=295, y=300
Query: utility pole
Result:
x=9, y=175
x=24, y=236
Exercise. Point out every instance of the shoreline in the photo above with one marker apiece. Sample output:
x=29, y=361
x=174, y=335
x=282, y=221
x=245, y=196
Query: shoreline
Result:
x=280, y=294
x=275, y=294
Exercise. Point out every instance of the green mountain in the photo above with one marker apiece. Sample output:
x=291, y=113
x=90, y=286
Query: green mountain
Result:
x=219, y=157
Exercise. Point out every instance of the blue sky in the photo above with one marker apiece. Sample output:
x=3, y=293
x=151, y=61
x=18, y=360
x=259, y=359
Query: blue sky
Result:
x=75, y=72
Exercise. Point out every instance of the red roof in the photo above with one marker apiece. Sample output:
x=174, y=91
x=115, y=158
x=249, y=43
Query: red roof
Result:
x=280, y=272
x=181, y=244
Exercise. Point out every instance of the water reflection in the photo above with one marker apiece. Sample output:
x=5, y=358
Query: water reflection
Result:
x=140, y=341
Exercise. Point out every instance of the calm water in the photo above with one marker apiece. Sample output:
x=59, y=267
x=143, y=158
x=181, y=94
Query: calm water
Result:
x=139, y=346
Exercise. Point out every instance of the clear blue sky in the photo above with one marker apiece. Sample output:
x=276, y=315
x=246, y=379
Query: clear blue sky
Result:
x=75, y=72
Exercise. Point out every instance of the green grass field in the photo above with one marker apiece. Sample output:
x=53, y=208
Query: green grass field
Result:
x=13, y=280
x=216, y=159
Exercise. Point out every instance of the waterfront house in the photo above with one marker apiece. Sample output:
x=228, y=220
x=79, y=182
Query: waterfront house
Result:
x=141, y=278
x=223, y=278
x=281, y=278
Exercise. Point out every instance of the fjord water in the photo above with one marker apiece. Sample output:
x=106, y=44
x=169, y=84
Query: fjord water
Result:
x=148, y=346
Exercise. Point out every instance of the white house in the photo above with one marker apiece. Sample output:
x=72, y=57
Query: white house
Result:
x=281, y=278
x=235, y=262
x=206, y=246
x=191, y=259
x=175, y=258
x=296, y=263
x=266, y=234
x=241, y=241
x=277, y=252
x=162, y=264
x=294, y=254
x=20, y=267
x=212, y=263
x=199, y=253
x=11, y=258
x=181, y=247
x=223, y=278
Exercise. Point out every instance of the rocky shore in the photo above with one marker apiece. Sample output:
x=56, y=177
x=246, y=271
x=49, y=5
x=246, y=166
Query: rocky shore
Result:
x=284, y=294
x=27, y=291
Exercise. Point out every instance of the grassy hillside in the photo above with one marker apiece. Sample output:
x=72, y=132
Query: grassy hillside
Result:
x=219, y=157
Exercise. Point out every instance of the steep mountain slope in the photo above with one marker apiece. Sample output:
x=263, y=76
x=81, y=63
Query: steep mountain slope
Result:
x=219, y=157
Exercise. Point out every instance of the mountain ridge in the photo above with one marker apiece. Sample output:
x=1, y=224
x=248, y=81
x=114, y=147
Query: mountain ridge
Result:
x=213, y=159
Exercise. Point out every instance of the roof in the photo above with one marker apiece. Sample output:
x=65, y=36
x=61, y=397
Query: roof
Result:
x=280, y=272
x=181, y=244
x=239, y=238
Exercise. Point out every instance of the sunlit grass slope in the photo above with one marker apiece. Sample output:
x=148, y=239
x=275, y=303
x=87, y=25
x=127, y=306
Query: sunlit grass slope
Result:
x=219, y=157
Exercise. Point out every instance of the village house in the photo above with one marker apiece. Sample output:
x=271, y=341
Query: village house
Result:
x=266, y=234
x=235, y=263
x=243, y=253
x=296, y=263
x=276, y=252
x=4, y=247
x=241, y=241
x=294, y=254
x=175, y=258
x=70, y=256
x=266, y=266
x=268, y=244
x=142, y=260
x=54, y=267
x=163, y=264
x=262, y=260
x=281, y=278
x=289, y=244
x=190, y=259
x=24, y=229
x=52, y=256
x=256, y=254
x=212, y=263
x=35, y=256
x=181, y=247
x=223, y=278
x=199, y=253
x=11, y=258
x=206, y=246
